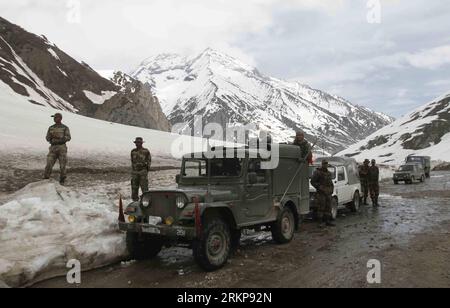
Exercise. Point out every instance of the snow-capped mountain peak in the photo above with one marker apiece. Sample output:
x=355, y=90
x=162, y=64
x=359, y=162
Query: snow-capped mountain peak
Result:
x=225, y=90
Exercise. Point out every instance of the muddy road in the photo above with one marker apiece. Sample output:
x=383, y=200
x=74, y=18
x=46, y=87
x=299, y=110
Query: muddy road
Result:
x=408, y=234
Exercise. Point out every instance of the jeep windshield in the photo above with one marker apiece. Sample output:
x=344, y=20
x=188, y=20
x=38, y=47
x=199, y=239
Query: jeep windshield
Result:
x=219, y=167
x=406, y=168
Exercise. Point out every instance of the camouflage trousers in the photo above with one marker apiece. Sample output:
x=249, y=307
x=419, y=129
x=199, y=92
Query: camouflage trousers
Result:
x=56, y=153
x=365, y=188
x=139, y=179
x=323, y=206
x=374, y=189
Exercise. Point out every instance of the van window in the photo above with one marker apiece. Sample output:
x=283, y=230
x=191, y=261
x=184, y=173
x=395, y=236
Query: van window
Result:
x=341, y=174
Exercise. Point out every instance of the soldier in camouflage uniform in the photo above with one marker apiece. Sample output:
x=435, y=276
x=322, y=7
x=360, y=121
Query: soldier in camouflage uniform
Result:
x=364, y=177
x=323, y=183
x=141, y=160
x=57, y=135
x=304, y=145
x=374, y=186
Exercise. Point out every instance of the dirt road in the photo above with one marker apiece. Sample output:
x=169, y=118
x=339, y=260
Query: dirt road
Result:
x=408, y=234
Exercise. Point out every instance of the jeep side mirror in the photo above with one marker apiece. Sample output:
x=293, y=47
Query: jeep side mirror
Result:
x=177, y=179
x=252, y=178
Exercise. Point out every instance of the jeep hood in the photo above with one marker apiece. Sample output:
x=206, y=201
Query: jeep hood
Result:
x=216, y=192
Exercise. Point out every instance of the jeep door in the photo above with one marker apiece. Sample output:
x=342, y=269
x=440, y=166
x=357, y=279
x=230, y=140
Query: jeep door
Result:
x=256, y=199
x=342, y=187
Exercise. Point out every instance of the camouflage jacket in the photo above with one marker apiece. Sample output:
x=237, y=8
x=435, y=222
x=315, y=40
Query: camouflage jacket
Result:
x=374, y=174
x=58, y=134
x=322, y=181
x=364, y=172
x=141, y=159
x=305, y=149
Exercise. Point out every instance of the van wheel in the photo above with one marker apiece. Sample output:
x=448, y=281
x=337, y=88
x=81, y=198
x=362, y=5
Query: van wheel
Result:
x=355, y=205
x=334, y=208
x=283, y=229
x=395, y=182
x=143, y=247
x=213, y=249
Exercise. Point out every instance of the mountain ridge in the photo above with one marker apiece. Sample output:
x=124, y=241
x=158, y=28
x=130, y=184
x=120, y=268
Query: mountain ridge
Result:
x=424, y=131
x=225, y=90
x=37, y=69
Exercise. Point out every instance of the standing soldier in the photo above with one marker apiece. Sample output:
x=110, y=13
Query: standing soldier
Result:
x=57, y=135
x=141, y=160
x=305, y=147
x=374, y=186
x=364, y=177
x=323, y=183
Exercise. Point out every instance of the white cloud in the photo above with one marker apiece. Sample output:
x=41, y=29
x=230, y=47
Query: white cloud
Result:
x=431, y=58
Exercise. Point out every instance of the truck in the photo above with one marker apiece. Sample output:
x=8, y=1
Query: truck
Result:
x=347, y=185
x=425, y=161
x=215, y=200
x=409, y=173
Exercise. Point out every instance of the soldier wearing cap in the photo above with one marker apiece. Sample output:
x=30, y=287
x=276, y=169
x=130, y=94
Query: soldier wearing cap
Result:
x=374, y=184
x=364, y=177
x=305, y=147
x=323, y=183
x=141, y=160
x=57, y=135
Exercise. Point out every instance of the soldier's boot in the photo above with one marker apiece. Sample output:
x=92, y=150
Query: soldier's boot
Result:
x=376, y=202
x=62, y=180
x=329, y=222
x=322, y=223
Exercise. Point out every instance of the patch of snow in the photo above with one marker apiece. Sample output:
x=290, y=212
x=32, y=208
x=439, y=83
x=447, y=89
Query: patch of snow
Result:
x=99, y=99
x=62, y=72
x=53, y=53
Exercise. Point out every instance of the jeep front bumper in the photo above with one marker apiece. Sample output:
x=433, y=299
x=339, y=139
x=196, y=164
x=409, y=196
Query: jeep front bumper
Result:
x=170, y=232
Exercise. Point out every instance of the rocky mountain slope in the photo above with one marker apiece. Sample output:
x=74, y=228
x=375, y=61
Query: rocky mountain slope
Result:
x=37, y=69
x=425, y=131
x=226, y=91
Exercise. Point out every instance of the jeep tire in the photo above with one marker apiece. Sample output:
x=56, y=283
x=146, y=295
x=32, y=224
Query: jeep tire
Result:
x=213, y=249
x=142, y=246
x=356, y=203
x=284, y=227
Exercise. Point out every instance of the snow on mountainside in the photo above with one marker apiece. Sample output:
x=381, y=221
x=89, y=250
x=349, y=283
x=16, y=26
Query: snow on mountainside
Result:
x=45, y=75
x=425, y=131
x=226, y=91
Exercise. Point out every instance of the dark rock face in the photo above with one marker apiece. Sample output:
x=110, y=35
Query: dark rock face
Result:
x=431, y=133
x=37, y=69
x=133, y=105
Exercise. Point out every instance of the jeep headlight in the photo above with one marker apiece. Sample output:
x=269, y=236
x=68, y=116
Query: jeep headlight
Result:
x=181, y=202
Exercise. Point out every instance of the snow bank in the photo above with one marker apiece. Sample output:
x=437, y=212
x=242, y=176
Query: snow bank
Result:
x=44, y=225
x=23, y=127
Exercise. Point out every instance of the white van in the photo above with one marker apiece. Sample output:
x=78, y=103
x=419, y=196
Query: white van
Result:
x=347, y=185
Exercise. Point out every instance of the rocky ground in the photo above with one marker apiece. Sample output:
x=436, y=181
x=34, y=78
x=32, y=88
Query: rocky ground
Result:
x=408, y=234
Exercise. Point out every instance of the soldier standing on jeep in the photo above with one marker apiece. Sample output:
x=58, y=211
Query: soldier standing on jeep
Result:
x=374, y=185
x=323, y=183
x=141, y=160
x=364, y=177
x=305, y=147
x=57, y=135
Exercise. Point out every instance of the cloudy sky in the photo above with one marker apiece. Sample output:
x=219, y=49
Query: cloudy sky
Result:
x=389, y=55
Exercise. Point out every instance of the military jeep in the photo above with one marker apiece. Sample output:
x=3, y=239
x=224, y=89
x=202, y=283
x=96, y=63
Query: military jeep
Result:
x=215, y=200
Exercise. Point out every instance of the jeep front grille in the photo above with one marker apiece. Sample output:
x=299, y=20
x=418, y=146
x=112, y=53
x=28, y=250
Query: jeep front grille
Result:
x=163, y=205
